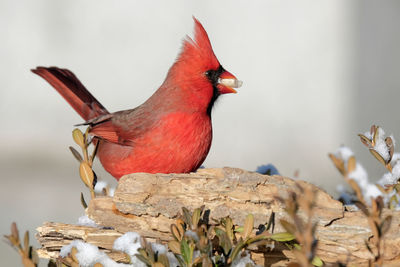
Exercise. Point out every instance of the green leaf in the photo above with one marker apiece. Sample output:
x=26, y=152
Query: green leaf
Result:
x=239, y=246
x=248, y=226
x=317, y=261
x=176, y=233
x=76, y=154
x=282, y=237
x=26, y=243
x=351, y=164
x=397, y=187
x=185, y=251
x=143, y=259
x=86, y=173
x=393, y=202
x=229, y=228
x=271, y=222
x=375, y=130
x=224, y=240
x=74, y=251
x=180, y=260
x=83, y=202
x=78, y=138
x=162, y=258
x=174, y=246
x=239, y=229
x=365, y=140
x=385, y=225
x=94, y=152
x=187, y=217
x=255, y=239
x=339, y=164
x=196, y=217
x=14, y=231
x=289, y=227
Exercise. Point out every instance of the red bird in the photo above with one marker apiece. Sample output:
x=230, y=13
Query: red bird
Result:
x=169, y=133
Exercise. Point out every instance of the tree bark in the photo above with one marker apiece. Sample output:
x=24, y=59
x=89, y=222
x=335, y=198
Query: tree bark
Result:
x=150, y=203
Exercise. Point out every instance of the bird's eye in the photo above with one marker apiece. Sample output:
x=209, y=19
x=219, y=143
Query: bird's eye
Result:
x=210, y=74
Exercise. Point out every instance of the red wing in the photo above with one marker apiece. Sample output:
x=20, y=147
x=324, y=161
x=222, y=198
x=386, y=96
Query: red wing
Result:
x=122, y=127
x=106, y=131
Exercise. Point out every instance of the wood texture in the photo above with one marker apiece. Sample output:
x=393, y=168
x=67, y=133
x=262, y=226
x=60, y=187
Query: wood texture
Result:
x=52, y=236
x=149, y=203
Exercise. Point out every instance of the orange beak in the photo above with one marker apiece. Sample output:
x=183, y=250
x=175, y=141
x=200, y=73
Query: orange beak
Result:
x=226, y=82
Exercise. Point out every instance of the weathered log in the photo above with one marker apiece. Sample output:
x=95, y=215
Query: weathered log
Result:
x=53, y=236
x=149, y=203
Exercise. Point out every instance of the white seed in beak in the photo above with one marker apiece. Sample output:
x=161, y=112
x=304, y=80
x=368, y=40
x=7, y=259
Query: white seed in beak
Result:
x=230, y=82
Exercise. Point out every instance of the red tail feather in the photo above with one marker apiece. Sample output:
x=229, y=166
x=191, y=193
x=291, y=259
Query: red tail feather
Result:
x=68, y=85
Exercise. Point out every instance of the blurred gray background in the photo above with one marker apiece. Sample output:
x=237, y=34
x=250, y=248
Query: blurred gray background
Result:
x=315, y=74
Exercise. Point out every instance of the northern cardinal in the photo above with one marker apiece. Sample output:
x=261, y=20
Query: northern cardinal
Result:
x=169, y=133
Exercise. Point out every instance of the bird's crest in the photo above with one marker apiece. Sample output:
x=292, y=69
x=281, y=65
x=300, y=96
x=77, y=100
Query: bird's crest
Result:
x=199, y=50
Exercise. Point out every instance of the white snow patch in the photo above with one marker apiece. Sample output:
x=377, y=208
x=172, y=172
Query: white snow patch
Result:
x=172, y=259
x=88, y=255
x=241, y=262
x=344, y=153
x=100, y=185
x=368, y=190
x=396, y=172
x=128, y=243
x=390, y=177
x=359, y=175
x=380, y=145
x=395, y=158
x=387, y=178
x=111, y=191
x=86, y=221
x=368, y=135
x=271, y=246
x=393, y=140
x=160, y=249
x=340, y=188
x=192, y=234
x=371, y=191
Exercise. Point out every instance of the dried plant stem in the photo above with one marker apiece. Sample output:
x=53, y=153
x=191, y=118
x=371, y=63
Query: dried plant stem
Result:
x=85, y=169
x=28, y=253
